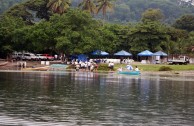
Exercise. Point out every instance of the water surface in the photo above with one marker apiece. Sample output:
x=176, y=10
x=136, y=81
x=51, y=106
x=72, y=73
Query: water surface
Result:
x=85, y=98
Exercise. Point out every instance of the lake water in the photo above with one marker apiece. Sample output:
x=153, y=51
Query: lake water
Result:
x=84, y=98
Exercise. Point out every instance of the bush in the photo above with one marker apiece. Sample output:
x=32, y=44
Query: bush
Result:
x=165, y=68
x=103, y=67
x=71, y=66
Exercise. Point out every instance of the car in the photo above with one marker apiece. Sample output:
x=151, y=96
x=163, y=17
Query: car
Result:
x=41, y=57
x=29, y=56
x=49, y=57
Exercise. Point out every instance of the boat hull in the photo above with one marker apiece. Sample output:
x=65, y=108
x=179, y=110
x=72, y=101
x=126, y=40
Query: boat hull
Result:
x=129, y=72
x=3, y=64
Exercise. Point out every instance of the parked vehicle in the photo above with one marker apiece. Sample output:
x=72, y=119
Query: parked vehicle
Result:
x=41, y=57
x=49, y=57
x=17, y=56
x=29, y=56
x=181, y=60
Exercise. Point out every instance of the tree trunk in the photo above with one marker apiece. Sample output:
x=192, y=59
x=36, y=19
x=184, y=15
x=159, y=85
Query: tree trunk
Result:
x=62, y=57
x=9, y=57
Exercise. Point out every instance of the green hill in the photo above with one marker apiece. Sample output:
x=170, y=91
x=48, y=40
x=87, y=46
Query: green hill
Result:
x=131, y=10
x=5, y=4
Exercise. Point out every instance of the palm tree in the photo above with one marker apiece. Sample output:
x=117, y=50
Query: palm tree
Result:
x=88, y=5
x=104, y=5
x=59, y=6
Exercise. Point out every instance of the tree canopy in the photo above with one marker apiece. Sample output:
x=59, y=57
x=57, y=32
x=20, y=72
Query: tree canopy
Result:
x=77, y=31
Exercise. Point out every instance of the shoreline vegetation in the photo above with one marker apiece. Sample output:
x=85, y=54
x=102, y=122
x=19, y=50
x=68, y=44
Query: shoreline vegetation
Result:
x=144, y=68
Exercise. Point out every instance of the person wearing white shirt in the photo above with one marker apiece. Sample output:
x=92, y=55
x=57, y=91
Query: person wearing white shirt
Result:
x=136, y=68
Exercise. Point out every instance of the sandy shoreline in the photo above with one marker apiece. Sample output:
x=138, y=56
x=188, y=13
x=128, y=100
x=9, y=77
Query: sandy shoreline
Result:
x=13, y=67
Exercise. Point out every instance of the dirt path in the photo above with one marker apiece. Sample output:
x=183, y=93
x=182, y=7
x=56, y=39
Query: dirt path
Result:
x=15, y=65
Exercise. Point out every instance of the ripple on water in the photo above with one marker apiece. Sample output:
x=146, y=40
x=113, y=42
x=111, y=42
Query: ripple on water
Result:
x=11, y=121
x=106, y=100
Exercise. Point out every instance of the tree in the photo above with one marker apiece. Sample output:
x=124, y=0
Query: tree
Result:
x=148, y=35
x=152, y=15
x=88, y=5
x=108, y=39
x=72, y=33
x=190, y=43
x=104, y=5
x=7, y=27
x=186, y=22
x=59, y=6
x=30, y=11
x=176, y=41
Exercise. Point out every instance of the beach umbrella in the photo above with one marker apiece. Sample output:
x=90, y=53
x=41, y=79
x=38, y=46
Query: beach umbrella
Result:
x=145, y=53
x=122, y=53
x=159, y=53
x=129, y=67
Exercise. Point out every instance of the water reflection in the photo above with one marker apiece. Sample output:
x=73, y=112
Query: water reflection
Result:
x=87, y=98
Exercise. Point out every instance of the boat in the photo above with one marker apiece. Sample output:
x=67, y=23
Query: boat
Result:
x=3, y=64
x=45, y=68
x=58, y=67
x=129, y=72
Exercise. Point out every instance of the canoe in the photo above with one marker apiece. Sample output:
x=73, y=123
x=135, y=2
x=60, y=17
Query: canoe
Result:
x=129, y=72
x=3, y=64
x=45, y=68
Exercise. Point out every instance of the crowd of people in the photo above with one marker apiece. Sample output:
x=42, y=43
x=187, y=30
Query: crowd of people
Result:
x=86, y=66
x=92, y=65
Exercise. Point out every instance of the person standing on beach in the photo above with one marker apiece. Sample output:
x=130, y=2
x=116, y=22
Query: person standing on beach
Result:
x=111, y=66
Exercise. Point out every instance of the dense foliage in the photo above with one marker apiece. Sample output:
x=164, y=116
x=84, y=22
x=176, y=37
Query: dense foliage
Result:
x=33, y=26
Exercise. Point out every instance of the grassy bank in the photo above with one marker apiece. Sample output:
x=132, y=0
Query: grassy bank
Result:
x=104, y=67
x=156, y=67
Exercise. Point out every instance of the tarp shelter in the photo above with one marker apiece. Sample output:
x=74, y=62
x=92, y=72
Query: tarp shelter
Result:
x=100, y=53
x=146, y=56
x=145, y=53
x=122, y=53
x=159, y=57
x=82, y=57
x=159, y=53
x=129, y=67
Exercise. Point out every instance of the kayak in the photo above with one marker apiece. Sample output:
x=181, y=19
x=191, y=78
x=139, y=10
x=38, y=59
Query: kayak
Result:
x=129, y=72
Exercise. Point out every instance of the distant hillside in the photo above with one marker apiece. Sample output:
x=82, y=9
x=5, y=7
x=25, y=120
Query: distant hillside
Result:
x=5, y=4
x=131, y=10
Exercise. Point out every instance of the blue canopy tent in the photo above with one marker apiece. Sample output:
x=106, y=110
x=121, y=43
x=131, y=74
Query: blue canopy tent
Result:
x=100, y=53
x=145, y=53
x=82, y=57
x=159, y=57
x=122, y=53
x=147, y=56
x=159, y=53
